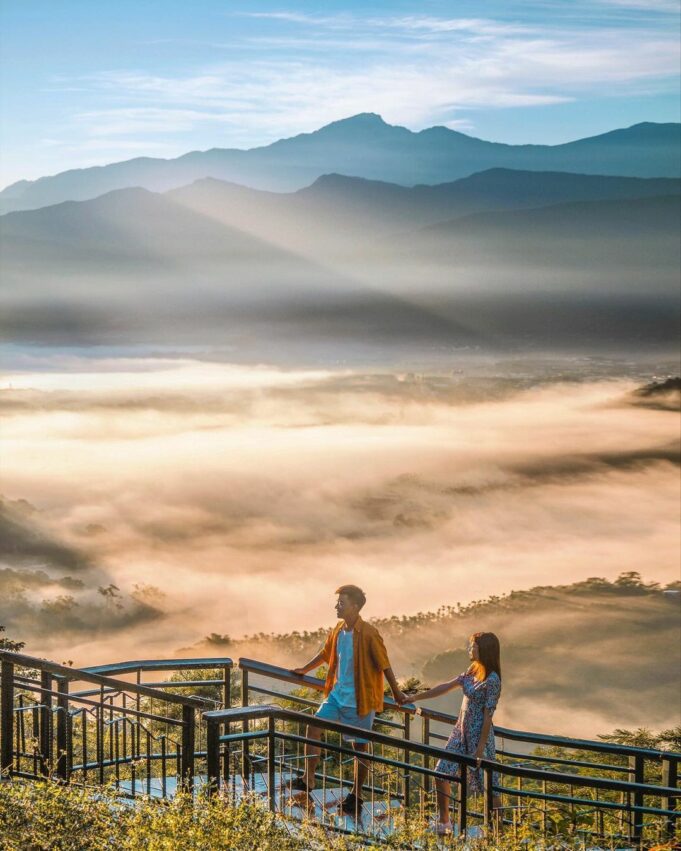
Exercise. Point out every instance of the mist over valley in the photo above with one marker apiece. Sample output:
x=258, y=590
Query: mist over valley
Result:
x=440, y=368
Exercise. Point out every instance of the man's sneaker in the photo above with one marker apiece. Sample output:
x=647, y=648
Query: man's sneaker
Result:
x=352, y=805
x=442, y=829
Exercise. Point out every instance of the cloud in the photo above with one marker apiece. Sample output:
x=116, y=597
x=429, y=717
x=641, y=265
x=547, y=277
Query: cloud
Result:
x=240, y=491
x=574, y=658
x=25, y=541
x=655, y=6
x=50, y=609
x=416, y=70
x=31, y=609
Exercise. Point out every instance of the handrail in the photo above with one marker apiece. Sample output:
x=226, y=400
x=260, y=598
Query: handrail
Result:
x=267, y=711
x=286, y=675
x=160, y=665
x=81, y=675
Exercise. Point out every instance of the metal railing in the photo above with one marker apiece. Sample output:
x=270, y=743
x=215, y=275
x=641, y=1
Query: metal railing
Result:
x=149, y=735
x=141, y=736
x=399, y=777
x=525, y=751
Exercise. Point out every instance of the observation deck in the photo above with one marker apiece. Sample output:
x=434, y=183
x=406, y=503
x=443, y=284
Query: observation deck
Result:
x=231, y=728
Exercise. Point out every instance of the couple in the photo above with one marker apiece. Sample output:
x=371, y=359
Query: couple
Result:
x=358, y=662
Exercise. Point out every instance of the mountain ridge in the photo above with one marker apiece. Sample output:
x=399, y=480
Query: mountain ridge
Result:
x=363, y=146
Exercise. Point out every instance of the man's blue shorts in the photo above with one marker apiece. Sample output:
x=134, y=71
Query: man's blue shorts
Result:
x=331, y=710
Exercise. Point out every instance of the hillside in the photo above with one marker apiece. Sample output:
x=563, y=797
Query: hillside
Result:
x=363, y=146
x=480, y=220
x=348, y=261
x=577, y=659
x=615, y=235
x=340, y=215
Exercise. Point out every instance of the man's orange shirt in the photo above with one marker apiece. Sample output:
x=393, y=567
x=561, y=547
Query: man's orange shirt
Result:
x=370, y=660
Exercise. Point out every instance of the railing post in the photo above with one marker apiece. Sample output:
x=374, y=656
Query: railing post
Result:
x=462, y=813
x=63, y=760
x=670, y=772
x=69, y=744
x=636, y=765
x=45, y=722
x=407, y=759
x=188, y=736
x=488, y=795
x=425, y=738
x=213, y=755
x=227, y=703
x=227, y=687
x=6, y=717
x=271, y=756
x=245, y=758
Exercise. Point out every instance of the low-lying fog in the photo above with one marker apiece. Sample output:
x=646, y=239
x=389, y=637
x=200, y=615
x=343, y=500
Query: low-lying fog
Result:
x=151, y=501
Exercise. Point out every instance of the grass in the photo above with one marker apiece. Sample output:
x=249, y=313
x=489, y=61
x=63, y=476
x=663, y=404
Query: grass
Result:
x=48, y=816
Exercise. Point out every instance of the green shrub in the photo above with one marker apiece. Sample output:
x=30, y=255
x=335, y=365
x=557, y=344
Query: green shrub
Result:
x=47, y=816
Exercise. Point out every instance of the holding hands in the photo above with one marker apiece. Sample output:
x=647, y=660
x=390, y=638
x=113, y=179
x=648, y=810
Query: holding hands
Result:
x=406, y=697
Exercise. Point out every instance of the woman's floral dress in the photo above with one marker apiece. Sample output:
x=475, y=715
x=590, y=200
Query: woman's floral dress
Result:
x=465, y=735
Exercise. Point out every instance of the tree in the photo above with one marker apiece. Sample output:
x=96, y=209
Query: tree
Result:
x=8, y=644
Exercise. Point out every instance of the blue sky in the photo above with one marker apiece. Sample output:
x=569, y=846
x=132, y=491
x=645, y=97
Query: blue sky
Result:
x=85, y=83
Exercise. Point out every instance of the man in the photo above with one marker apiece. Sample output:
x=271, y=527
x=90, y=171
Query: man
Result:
x=357, y=660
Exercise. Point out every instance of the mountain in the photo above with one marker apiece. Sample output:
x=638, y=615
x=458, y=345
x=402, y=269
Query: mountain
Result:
x=364, y=146
x=348, y=259
x=340, y=214
x=134, y=259
x=636, y=231
x=211, y=228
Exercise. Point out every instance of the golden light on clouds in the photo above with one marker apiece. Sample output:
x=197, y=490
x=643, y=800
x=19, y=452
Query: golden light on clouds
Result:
x=246, y=495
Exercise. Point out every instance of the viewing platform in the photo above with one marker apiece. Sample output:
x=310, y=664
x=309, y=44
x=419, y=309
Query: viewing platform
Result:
x=148, y=727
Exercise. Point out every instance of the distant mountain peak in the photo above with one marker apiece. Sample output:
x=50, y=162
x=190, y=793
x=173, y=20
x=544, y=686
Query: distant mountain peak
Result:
x=334, y=178
x=363, y=123
x=362, y=119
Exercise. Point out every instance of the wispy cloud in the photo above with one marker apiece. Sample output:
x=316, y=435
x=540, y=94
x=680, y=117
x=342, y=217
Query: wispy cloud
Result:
x=663, y=6
x=273, y=74
x=415, y=70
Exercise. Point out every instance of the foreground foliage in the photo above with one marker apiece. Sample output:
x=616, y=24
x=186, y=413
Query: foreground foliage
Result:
x=47, y=816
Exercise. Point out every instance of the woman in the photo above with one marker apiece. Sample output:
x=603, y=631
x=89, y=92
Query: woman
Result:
x=473, y=734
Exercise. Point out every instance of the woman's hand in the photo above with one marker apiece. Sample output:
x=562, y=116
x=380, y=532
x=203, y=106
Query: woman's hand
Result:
x=479, y=756
x=400, y=698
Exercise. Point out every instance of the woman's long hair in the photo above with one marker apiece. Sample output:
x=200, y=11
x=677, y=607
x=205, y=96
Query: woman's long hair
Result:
x=489, y=652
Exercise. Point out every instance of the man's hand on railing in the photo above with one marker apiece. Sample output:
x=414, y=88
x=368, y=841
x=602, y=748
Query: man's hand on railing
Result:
x=309, y=666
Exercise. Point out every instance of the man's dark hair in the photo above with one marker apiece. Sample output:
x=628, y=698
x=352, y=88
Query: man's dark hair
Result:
x=356, y=595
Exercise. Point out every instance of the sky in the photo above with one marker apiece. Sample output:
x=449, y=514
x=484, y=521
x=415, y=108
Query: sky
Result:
x=85, y=83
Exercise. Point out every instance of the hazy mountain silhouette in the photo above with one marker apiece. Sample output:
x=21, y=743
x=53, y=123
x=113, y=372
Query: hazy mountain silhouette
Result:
x=135, y=259
x=211, y=228
x=364, y=146
x=338, y=212
x=350, y=260
x=641, y=233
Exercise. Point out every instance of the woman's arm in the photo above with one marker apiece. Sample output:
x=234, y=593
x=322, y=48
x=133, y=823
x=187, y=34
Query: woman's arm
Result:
x=493, y=689
x=484, y=733
x=436, y=691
